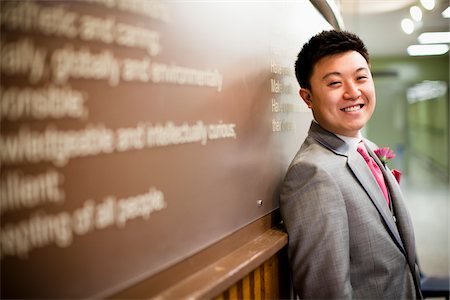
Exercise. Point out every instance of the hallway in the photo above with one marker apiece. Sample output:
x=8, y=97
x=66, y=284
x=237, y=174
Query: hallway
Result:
x=427, y=197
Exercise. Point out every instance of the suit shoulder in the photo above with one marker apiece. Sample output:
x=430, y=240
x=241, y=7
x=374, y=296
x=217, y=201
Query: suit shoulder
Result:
x=314, y=155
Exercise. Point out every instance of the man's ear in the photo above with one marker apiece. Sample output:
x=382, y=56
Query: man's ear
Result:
x=305, y=94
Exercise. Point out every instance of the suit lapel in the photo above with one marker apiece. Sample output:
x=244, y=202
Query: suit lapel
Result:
x=367, y=180
x=403, y=220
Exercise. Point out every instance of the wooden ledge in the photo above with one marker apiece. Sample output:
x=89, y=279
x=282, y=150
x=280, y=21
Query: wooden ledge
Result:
x=213, y=279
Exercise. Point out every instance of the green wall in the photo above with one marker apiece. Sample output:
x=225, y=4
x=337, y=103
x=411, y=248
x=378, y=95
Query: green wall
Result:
x=420, y=129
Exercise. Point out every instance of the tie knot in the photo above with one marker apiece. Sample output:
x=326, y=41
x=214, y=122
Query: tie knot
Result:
x=363, y=151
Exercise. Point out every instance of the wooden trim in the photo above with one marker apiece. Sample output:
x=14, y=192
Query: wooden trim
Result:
x=213, y=279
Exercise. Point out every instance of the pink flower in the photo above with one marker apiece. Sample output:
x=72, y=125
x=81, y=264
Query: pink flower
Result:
x=384, y=154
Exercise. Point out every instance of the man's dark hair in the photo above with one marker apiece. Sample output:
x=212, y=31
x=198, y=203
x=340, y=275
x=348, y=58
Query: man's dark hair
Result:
x=324, y=44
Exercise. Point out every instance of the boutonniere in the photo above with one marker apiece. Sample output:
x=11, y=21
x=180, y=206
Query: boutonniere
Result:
x=385, y=154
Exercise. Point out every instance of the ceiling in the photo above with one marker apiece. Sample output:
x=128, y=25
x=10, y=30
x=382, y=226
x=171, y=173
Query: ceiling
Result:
x=377, y=22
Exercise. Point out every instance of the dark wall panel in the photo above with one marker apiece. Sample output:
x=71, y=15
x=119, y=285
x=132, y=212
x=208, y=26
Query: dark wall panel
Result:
x=136, y=133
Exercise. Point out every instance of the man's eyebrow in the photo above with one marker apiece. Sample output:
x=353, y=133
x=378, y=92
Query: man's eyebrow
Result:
x=331, y=74
x=362, y=69
x=339, y=74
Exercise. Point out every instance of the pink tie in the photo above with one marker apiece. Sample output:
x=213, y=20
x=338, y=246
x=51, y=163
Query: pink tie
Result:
x=374, y=168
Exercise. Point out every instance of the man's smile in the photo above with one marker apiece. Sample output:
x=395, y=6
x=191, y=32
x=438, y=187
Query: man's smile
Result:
x=352, y=108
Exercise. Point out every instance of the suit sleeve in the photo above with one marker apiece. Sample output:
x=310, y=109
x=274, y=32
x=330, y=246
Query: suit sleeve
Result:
x=314, y=212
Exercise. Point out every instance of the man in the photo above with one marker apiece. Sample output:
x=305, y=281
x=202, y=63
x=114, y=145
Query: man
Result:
x=350, y=235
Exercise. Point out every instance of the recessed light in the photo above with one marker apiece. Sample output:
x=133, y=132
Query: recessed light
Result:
x=419, y=50
x=446, y=13
x=416, y=13
x=407, y=26
x=434, y=38
x=428, y=4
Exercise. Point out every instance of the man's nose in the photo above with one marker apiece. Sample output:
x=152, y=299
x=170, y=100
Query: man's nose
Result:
x=352, y=91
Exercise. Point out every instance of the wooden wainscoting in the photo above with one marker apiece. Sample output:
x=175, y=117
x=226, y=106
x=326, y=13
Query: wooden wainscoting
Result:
x=268, y=281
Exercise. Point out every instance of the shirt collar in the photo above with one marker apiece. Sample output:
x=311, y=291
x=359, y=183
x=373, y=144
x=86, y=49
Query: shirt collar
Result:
x=351, y=141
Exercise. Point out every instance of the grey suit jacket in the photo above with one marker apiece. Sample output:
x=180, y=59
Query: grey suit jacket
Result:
x=344, y=242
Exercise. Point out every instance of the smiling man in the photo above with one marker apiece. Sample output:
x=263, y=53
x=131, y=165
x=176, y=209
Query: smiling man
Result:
x=350, y=234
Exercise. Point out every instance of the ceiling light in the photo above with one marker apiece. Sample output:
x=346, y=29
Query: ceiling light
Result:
x=416, y=13
x=428, y=4
x=407, y=26
x=418, y=50
x=434, y=38
x=446, y=13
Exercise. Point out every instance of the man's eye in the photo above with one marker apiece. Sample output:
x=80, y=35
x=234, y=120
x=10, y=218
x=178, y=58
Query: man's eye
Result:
x=334, y=83
x=362, y=77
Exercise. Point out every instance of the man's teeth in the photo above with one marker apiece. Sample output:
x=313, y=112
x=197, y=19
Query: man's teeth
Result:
x=352, y=108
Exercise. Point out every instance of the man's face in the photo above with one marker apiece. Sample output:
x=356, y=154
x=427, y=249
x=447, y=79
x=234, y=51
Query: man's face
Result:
x=342, y=95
